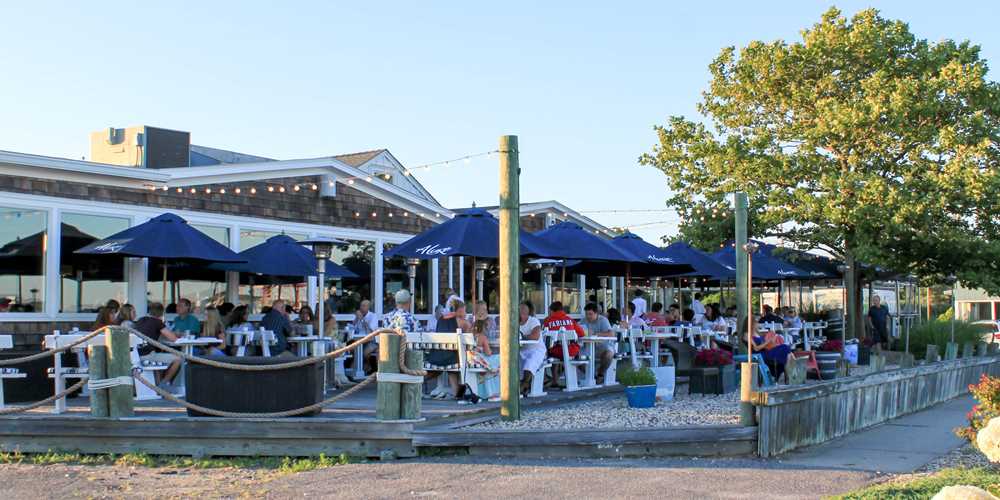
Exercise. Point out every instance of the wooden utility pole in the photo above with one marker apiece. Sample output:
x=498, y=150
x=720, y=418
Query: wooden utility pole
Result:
x=387, y=394
x=98, y=370
x=510, y=278
x=744, y=281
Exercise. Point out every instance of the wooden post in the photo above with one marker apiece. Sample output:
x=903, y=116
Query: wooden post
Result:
x=981, y=348
x=98, y=368
x=120, y=401
x=510, y=278
x=950, y=351
x=968, y=350
x=388, y=394
x=410, y=405
x=748, y=371
x=932, y=353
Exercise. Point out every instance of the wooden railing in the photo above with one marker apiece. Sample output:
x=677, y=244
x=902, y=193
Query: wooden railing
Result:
x=791, y=417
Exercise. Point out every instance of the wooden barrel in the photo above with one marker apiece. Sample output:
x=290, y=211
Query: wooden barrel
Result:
x=827, y=362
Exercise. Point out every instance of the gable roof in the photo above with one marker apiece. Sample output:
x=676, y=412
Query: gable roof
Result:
x=360, y=158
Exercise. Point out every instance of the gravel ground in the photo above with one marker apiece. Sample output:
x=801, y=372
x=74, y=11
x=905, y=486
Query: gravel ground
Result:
x=966, y=456
x=612, y=412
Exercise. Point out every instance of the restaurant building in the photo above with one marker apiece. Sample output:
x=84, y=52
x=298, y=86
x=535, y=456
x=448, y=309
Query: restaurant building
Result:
x=50, y=207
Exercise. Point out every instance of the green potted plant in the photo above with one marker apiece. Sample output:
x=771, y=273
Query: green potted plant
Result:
x=640, y=386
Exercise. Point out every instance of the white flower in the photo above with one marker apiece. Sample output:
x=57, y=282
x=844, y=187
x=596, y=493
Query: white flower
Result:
x=963, y=492
x=988, y=440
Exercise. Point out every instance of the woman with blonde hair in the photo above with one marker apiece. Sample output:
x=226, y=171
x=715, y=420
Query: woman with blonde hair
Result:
x=126, y=315
x=212, y=327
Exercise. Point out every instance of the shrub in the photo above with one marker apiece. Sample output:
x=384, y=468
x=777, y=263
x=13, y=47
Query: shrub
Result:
x=630, y=377
x=938, y=333
x=987, y=393
x=713, y=357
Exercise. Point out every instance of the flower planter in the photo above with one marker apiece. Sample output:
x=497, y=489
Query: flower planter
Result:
x=641, y=396
x=827, y=361
x=712, y=379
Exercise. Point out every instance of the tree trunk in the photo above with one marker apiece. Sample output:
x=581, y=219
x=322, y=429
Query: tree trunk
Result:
x=853, y=321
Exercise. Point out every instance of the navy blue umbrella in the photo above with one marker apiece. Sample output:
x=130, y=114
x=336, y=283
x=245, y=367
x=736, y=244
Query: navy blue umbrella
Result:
x=472, y=232
x=167, y=237
x=704, y=265
x=765, y=266
x=570, y=241
x=817, y=266
x=282, y=256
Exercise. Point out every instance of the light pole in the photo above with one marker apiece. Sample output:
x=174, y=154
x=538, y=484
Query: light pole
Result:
x=411, y=271
x=322, y=249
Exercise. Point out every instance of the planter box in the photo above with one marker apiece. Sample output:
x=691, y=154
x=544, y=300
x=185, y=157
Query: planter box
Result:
x=864, y=355
x=256, y=392
x=712, y=379
x=641, y=396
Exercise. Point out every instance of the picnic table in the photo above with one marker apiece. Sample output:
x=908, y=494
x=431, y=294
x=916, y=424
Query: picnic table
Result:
x=590, y=371
x=187, y=344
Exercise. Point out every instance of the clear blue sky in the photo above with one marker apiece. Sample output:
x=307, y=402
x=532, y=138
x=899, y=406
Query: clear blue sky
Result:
x=581, y=84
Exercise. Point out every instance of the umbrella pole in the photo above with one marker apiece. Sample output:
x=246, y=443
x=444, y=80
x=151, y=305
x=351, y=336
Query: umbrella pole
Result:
x=164, y=283
x=562, y=285
x=473, y=308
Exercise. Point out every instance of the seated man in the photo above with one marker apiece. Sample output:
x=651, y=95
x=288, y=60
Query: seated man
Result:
x=655, y=317
x=687, y=318
x=556, y=320
x=598, y=326
x=276, y=320
x=673, y=314
x=401, y=314
x=792, y=320
x=152, y=326
x=185, y=322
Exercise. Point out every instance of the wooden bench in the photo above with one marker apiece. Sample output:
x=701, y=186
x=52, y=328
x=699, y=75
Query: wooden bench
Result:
x=7, y=342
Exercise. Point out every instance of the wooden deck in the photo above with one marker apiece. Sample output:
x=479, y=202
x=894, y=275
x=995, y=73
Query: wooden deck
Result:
x=159, y=427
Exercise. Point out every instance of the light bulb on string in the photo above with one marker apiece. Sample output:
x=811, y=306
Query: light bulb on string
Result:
x=193, y=190
x=208, y=190
x=296, y=188
x=253, y=190
x=330, y=182
x=270, y=189
x=350, y=181
x=281, y=189
x=315, y=187
x=180, y=190
x=222, y=191
x=374, y=214
x=237, y=190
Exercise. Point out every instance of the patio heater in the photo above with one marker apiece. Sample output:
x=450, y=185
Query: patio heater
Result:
x=654, y=285
x=411, y=271
x=604, y=294
x=481, y=268
x=322, y=250
x=547, y=272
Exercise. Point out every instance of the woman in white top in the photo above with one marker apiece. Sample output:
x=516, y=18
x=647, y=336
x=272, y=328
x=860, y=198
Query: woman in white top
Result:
x=532, y=355
x=713, y=320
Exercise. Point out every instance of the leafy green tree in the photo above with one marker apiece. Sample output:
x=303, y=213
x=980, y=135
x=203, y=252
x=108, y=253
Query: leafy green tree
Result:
x=860, y=139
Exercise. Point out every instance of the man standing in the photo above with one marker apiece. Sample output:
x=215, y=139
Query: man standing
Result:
x=152, y=326
x=276, y=320
x=401, y=314
x=185, y=322
x=639, y=302
x=598, y=326
x=878, y=316
x=698, y=308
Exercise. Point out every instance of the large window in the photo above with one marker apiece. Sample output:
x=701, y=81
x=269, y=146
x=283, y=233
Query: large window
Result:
x=395, y=276
x=23, y=243
x=197, y=283
x=356, y=256
x=87, y=282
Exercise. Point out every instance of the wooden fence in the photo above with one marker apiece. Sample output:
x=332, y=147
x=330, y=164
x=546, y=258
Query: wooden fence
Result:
x=791, y=417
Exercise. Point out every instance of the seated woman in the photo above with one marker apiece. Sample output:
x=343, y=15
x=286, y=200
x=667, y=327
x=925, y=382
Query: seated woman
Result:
x=532, y=355
x=450, y=322
x=773, y=348
x=212, y=327
x=634, y=321
x=306, y=319
x=482, y=313
x=238, y=320
x=126, y=315
x=105, y=317
x=485, y=358
x=713, y=320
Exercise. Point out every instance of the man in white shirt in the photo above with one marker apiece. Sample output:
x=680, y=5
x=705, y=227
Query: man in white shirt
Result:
x=698, y=308
x=640, y=303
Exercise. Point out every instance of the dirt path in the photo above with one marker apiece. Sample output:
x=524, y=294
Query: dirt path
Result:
x=458, y=477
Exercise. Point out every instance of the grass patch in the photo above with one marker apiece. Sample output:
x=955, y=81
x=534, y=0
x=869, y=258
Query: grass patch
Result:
x=278, y=464
x=928, y=486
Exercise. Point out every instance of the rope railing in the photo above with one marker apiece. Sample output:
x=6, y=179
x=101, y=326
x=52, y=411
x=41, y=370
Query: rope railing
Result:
x=291, y=364
x=18, y=409
x=53, y=352
x=106, y=383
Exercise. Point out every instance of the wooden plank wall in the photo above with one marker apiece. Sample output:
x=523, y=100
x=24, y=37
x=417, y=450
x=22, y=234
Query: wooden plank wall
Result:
x=791, y=417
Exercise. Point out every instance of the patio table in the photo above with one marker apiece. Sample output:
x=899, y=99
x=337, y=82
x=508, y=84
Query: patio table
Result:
x=590, y=373
x=187, y=345
x=655, y=339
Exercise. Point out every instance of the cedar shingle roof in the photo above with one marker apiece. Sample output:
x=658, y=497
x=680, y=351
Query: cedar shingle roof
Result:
x=358, y=159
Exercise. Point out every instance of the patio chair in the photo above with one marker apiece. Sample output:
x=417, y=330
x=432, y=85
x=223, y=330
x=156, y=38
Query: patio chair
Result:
x=764, y=377
x=7, y=342
x=811, y=363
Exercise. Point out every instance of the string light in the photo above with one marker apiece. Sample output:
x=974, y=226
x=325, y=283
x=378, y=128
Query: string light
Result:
x=222, y=191
x=208, y=190
x=296, y=188
x=270, y=189
x=281, y=189
x=180, y=190
x=253, y=190
x=193, y=190
x=237, y=190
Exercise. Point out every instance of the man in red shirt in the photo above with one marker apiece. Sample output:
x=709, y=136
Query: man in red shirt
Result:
x=557, y=319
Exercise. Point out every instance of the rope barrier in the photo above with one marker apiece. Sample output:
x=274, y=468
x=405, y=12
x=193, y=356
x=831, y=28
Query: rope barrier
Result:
x=278, y=414
x=53, y=352
x=36, y=404
x=291, y=364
